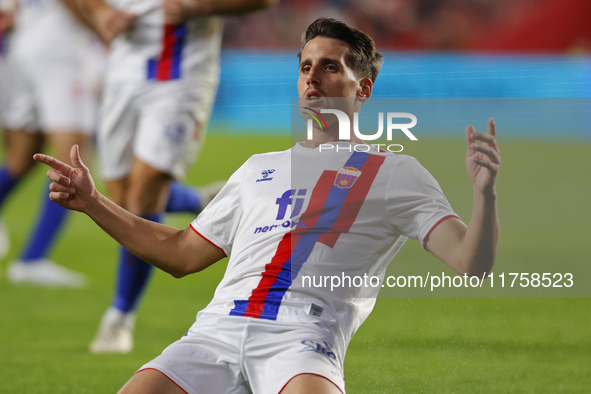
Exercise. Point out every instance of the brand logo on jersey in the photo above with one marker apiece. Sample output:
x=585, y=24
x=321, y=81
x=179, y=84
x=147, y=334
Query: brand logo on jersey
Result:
x=320, y=348
x=292, y=197
x=346, y=177
x=266, y=175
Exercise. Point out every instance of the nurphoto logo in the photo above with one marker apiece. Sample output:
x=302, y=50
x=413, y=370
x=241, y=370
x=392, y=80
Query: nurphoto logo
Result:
x=344, y=124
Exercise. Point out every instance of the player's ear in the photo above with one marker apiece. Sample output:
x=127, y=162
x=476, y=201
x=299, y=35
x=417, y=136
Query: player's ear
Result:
x=365, y=89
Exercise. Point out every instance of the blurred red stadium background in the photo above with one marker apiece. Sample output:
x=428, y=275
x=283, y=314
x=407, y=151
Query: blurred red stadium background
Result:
x=490, y=25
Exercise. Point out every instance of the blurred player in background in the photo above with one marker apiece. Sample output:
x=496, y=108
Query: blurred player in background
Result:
x=6, y=22
x=161, y=80
x=265, y=331
x=7, y=9
x=51, y=100
x=76, y=65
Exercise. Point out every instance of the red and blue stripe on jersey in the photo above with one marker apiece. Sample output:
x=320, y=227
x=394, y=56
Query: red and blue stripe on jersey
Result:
x=331, y=212
x=168, y=66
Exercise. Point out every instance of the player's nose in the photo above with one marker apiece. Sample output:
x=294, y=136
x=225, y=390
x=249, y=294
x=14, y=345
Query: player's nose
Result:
x=313, y=77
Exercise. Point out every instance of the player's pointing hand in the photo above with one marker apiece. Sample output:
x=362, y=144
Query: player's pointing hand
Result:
x=483, y=159
x=72, y=186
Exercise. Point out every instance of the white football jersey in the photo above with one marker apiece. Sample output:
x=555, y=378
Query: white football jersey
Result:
x=154, y=51
x=46, y=29
x=5, y=78
x=6, y=6
x=51, y=82
x=302, y=212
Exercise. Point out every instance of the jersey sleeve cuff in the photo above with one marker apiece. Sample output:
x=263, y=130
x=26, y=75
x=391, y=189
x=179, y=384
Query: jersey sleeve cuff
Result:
x=438, y=221
x=211, y=240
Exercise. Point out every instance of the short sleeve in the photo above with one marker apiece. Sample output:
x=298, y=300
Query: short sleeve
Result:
x=219, y=221
x=416, y=204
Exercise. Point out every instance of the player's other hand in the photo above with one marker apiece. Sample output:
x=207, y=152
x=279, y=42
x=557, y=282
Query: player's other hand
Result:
x=72, y=186
x=6, y=21
x=483, y=159
x=110, y=22
x=180, y=11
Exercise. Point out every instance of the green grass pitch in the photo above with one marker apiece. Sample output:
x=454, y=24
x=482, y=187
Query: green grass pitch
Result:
x=460, y=345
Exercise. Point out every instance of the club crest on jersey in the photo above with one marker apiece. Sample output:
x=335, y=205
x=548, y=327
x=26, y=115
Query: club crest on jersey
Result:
x=346, y=177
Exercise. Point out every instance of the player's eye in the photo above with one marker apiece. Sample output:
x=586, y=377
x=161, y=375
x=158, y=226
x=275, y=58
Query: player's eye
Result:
x=305, y=69
x=331, y=67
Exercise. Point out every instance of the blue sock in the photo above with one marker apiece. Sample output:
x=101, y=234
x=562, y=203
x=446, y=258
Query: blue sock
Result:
x=183, y=199
x=46, y=231
x=7, y=183
x=133, y=276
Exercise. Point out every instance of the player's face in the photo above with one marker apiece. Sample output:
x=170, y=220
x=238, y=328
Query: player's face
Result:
x=326, y=72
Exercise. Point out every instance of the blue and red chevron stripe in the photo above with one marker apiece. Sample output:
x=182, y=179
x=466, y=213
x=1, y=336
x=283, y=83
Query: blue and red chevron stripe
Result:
x=331, y=212
x=168, y=65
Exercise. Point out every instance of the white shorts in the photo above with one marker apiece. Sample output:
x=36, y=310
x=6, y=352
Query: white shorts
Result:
x=159, y=123
x=50, y=96
x=4, y=87
x=231, y=354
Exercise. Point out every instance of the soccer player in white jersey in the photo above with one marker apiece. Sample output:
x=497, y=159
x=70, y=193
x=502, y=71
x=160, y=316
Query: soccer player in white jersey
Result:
x=286, y=214
x=50, y=100
x=6, y=22
x=160, y=85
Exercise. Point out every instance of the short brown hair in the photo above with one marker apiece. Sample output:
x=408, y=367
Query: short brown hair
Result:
x=366, y=61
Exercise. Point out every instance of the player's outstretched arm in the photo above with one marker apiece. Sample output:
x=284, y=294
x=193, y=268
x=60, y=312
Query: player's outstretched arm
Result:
x=472, y=249
x=178, y=252
x=179, y=11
